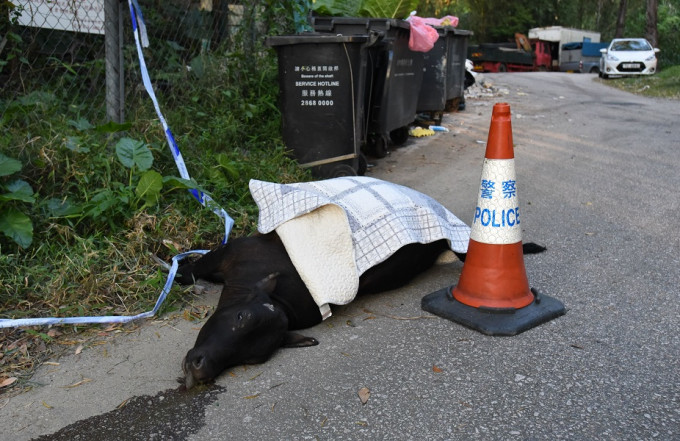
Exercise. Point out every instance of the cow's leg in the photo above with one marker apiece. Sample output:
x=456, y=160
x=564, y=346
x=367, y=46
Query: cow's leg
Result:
x=206, y=267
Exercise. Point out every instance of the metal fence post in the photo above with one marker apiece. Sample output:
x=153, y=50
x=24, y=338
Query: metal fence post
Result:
x=115, y=98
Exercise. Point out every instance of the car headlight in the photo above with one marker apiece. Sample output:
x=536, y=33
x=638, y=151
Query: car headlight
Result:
x=650, y=58
x=611, y=57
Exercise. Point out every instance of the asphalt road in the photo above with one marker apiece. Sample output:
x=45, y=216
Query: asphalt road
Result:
x=598, y=182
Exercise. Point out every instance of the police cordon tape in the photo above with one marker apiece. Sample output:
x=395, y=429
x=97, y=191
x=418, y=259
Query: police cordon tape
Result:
x=139, y=30
x=43, y=321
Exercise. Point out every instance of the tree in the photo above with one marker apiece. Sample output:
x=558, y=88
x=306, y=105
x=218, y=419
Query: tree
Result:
x=621, y=20
x=651, y=30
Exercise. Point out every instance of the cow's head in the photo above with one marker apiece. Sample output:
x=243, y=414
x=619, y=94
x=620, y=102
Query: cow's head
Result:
x=245, y=329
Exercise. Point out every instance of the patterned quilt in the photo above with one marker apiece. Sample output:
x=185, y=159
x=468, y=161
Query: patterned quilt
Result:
x=336, y=229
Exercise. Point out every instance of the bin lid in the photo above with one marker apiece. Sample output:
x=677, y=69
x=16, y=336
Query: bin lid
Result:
x=313, y=38
x=443, y=30
x=368, y=23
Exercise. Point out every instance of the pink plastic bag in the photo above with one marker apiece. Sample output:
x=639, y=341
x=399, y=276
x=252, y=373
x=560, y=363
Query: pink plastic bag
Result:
x=423, y=36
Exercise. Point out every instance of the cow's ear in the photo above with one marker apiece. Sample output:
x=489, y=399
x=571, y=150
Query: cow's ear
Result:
x=293, y=340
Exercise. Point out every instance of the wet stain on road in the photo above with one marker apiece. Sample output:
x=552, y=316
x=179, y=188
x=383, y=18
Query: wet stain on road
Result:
x=173, y=414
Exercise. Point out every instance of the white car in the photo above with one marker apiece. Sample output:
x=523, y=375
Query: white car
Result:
x=628, y=56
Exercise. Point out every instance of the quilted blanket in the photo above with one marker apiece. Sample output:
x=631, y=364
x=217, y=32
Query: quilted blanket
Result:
x=336, y=229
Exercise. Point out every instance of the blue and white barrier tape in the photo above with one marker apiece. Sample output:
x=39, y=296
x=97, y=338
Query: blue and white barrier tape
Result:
x=12, y=323
x=139, y=29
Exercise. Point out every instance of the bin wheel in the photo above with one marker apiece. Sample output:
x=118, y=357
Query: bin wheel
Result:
x=363, y=165
x=381, y=146
x=399, y=136
x=461, y=104
x=377, y=145
x=341, y=170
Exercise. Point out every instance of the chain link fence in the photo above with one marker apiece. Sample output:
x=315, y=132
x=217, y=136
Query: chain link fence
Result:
x=82, y=52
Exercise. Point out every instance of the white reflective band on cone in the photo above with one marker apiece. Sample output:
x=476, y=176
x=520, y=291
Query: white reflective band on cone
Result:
x=497, y=215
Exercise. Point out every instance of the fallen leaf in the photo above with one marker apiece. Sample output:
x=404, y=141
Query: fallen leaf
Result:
x=364, y=393
x=436, y=369
x=122, y=404
x=52, y=363
x=69, y=342
x=8, y=381
x=46, y=405
x=172, y=245
x=79, y=383
x=53, y=333
x=79, y=349
x=250, y=397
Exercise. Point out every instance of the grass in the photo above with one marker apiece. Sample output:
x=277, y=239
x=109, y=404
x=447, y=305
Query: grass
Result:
x=93, y=233
x=664, y=84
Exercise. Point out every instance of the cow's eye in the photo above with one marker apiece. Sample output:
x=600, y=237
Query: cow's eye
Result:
x=239, y=316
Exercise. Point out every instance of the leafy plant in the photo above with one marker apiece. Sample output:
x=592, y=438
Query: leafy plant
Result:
x=14, y=52
x=144, y=186
x=14, y=223
x=366, y=8
x=388, y=8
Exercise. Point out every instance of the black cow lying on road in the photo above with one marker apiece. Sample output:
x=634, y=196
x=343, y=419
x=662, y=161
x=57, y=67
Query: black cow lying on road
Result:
x=264, y=299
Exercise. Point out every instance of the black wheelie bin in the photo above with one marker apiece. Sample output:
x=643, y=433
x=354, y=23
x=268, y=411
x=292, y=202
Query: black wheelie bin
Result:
x=433, y=92
x=443, y=73
x=321, y=98
x=394, y=77
x=458, y=43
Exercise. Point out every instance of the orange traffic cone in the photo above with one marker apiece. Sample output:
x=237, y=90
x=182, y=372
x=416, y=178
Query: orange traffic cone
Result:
x=493, y=294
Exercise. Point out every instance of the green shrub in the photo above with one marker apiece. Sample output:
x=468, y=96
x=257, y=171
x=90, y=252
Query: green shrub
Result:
x=14, y=223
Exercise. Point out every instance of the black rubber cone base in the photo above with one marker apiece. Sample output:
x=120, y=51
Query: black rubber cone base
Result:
x=493, y=321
